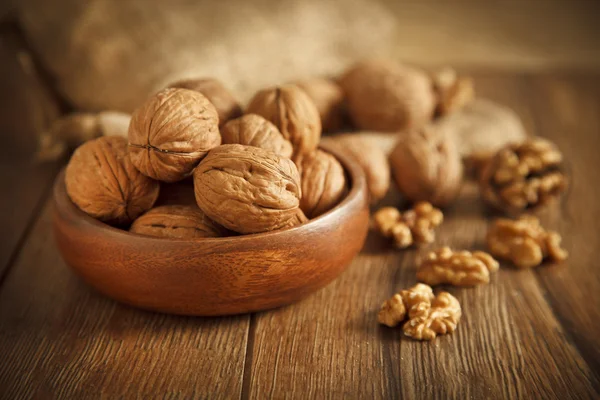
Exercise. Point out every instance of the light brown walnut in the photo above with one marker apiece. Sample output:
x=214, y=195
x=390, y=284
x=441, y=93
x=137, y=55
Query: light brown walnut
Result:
x=460, y=268
x=328, y=97
x=414, y=226
x=101, y=180
x=323, y=183
x=371, y=159
x=427, y=166
x=248, y=189
x=524, y=242
x=225, y=103
x=295, y=115
x=178, y=222
x=171, y=132
x=428, y=315
x=523, y=176
x=254, y=130
x=392, y=311
x=387, y=96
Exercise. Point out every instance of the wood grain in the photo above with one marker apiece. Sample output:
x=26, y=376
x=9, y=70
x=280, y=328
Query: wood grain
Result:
x=59, y=339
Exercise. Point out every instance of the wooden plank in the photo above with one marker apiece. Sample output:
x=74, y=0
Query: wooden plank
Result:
x=59, y=339
x=509, y=343
x=567, y=111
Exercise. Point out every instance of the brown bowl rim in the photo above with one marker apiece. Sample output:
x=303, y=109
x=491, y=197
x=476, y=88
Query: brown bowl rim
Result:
x=353, y=172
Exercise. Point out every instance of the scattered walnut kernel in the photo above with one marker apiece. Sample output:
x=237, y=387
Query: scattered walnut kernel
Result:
x=461, y=268
x=524, y=242
x=392, y=311
x=428, y=315
x=453, y=91
x=415, y=226
x=523, y=176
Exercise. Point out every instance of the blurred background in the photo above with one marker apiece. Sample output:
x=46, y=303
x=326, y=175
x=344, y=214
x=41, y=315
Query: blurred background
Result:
x=64, y=55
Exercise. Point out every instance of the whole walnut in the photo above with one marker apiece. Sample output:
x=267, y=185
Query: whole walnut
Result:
x=328, y=96
x=523, y=176
x=293, y=113
x=387, y=96
x=371, y=159
x=171, y=132
x=248, y=189
x=182, y=222
x=427, y=167
x=226, y=104
x=323, y=183
x=102, y=182
x=254, y=130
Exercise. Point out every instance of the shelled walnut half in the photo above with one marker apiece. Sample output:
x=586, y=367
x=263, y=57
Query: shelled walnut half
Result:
x=523, y=176
x=460, y=268
x=524, y=242
x=428, y=315
x=415, y=226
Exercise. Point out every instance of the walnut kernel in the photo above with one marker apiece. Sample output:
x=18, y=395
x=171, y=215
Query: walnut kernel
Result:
x=524, y=242
x=453, y=92
x=392, y=311
x=415, y=226
x=523, y=176
x=461, y=268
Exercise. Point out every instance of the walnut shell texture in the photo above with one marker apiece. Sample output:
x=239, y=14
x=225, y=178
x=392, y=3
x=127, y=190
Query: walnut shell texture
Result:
x=387, y=96
x=328, y=96
x=323, y=183
x=292, y=112
x=427, y=167
x=371, y=159
x=226, y=104
x=102, y=181
x=248, y=189
x=254, y=130
x=182, y=222
x=171, y=133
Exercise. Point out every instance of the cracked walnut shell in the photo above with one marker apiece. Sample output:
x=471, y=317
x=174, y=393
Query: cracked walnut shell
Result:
x=295, y=115
x=371, y=159
x=461, y=268
x=225, y=103
x=323, y=183
x=248, y=189
x=328, y=97
x=171, y=132
x=254, y=130
x=427, y=167
x=181, y=222
x=101, y=180
x=523, y=176
x=524, y=242
x=414, y=226
x=386, y=96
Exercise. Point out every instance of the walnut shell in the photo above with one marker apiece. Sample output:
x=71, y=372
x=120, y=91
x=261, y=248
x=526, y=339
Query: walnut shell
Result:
x=248, y=189
x=323, y=183
x=254, y=130
x=328, y=96
x=102, y=181
x=386, y=96
x=371, y=159
x=226, y=104
x=171, y=133
x=427, y=167
x=293, y=113
x=182, y=222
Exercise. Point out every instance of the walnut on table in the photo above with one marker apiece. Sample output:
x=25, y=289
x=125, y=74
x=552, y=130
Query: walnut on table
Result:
x=523, y=176
x=428, y=315
x=524, y=242
x=415, y=226
x=458, y=268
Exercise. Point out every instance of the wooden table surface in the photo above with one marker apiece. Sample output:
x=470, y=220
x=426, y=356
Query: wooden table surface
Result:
x=528, y=334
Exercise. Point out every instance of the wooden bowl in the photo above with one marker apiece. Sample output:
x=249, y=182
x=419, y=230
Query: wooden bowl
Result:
x=217, y=276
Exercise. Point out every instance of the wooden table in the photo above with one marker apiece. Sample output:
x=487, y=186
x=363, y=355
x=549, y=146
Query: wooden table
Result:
x=528, y=334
